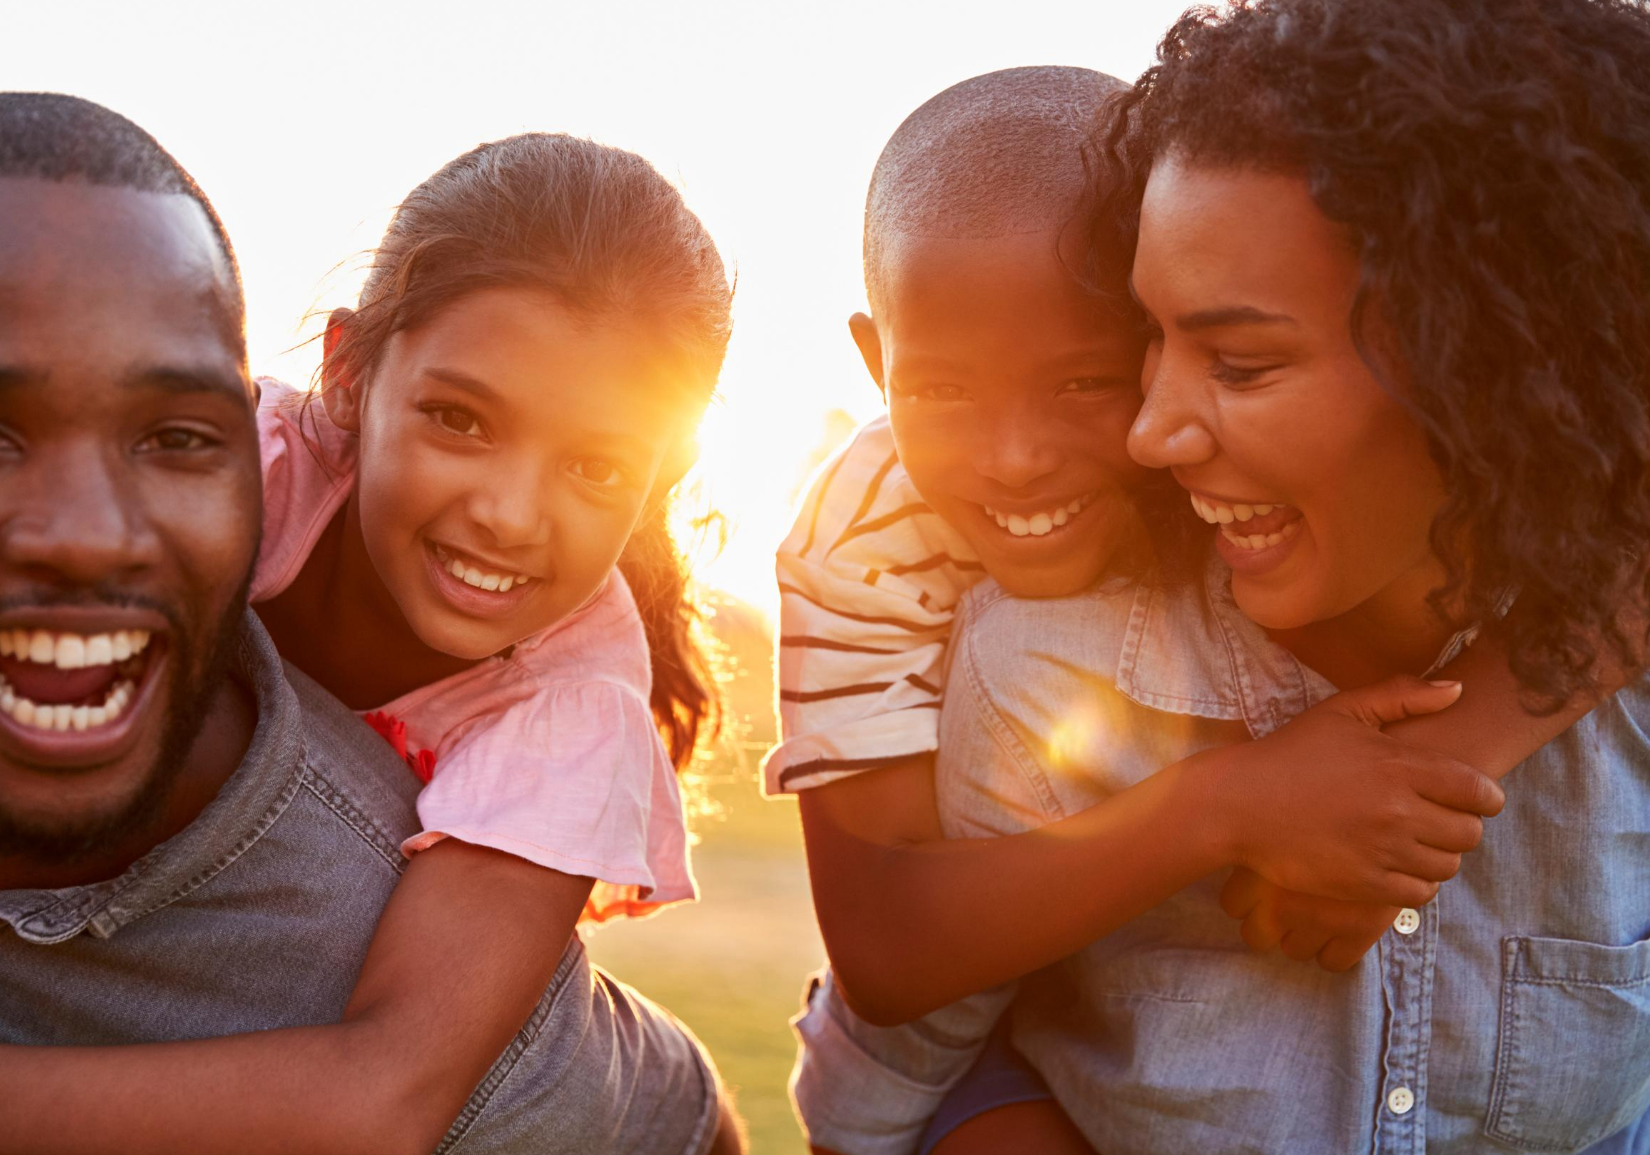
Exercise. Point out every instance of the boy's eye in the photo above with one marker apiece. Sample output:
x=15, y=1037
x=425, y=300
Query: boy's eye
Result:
x=940, y=392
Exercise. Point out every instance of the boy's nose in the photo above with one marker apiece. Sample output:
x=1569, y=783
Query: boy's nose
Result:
x=67, y=519
x=1014, y=456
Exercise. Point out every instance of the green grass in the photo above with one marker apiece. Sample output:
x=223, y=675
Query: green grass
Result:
x=732, y=966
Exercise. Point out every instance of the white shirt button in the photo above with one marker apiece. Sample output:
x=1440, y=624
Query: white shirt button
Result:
x=1400, y=1101
x=1408, y=921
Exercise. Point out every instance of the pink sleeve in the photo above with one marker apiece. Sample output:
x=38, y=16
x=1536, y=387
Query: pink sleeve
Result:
x=574, y=778
x=308, y=471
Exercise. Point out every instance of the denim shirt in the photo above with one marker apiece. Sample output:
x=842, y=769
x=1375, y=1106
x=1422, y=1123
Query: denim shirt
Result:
x=258, y=915
x=1512, y=1013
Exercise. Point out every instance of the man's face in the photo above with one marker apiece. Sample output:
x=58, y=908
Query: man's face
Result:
x=1010, y=397
x=129, y=503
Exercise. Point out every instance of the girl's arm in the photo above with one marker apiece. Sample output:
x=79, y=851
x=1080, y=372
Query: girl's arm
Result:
x=1488, y=728
x=464, y=950
x=914, y=921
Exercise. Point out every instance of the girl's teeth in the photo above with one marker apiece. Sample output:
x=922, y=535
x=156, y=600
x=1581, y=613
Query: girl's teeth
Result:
x=504, y=585
x=1256, y=541
x=471, y=576
x=1061, y=516
x=1217, y=514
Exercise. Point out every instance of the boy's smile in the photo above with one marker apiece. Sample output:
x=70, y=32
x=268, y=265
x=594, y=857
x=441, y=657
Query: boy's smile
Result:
x=1010, y=394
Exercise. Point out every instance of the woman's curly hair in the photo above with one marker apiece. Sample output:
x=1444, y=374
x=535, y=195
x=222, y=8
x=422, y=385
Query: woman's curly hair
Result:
x=1490, y=160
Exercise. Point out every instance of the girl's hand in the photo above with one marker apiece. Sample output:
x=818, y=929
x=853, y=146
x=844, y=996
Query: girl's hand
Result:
x=1330, y=806
x=1335, y=934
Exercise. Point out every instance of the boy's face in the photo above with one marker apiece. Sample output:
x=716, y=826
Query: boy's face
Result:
x=1010, y=396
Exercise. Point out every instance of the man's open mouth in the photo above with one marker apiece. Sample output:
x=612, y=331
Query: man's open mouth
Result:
x=52, y=680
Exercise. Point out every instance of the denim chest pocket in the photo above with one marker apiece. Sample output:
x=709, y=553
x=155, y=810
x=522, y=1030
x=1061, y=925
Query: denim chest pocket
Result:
x=1572, y=1063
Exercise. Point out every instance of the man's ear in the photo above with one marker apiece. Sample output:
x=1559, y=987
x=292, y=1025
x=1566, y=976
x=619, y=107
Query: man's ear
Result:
x=864, y=331
x=340, y=395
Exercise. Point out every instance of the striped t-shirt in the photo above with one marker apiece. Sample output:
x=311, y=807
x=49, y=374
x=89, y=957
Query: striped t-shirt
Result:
x=869, y=578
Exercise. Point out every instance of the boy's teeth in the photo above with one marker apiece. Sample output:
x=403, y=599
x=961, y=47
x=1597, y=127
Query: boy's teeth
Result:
x=63, y=716
x=72, y=651
x=1037, y=524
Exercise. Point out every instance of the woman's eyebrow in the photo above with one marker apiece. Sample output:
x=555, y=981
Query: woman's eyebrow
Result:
x=1231, y=315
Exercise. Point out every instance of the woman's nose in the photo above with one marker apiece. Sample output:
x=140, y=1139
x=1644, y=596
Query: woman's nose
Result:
x=1172, y=427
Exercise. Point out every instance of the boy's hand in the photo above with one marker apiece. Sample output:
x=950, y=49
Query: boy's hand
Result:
x=1330, y=806
x=1335, y=934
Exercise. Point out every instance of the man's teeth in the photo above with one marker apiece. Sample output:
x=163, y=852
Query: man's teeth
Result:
x=470, y=576
x=1037, y=524
x=72, y=651
x=1255, y=541
x=47, y=716
x=1219, y=513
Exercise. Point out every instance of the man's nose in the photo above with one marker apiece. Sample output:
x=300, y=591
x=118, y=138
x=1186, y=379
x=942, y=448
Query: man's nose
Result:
x=1171, y=427
x=70, y=517
x=1014, y=450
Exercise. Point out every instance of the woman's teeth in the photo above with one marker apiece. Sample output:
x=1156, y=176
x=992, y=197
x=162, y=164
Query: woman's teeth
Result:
x=46, y=716
x=470, y=576
x=1258, y=540
x=1037, y=524
x=72, y=651
x=1219, y=513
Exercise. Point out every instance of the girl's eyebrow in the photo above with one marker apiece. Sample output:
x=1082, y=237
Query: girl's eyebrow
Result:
x=463, y=382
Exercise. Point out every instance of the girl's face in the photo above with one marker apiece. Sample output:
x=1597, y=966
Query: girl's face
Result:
x=507, y=449
x=1318, y=485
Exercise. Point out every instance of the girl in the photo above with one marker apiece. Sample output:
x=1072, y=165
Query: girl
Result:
x=466, y=540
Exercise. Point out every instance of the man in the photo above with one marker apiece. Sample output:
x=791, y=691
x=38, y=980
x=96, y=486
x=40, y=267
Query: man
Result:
x=194, y=841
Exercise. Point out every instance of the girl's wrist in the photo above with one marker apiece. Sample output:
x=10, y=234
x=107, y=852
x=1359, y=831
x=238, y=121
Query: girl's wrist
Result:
x=1222, y=803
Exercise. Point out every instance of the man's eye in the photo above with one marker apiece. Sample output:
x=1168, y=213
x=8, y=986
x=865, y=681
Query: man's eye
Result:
x=176, y=440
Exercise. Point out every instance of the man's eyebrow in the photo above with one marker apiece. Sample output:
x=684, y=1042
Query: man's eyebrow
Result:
x=1231, y=315
x=17, y=377
x=178, y=380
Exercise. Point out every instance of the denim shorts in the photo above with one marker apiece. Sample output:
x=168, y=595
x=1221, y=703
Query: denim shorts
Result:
x=999, y=1077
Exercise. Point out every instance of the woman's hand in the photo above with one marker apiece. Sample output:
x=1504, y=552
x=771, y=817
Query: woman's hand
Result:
x=1329, y=806
x=1334, y=934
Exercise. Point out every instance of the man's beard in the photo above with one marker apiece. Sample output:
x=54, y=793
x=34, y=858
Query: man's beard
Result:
x=193, y=688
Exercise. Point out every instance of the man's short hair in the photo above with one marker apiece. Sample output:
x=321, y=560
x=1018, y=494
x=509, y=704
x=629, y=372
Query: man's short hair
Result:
x=55, y=137
x=998, y=154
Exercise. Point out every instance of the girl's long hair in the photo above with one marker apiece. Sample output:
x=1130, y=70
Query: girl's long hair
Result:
x=602, y=232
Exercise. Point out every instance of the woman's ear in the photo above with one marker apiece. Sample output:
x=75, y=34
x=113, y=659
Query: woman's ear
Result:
x=340, y=394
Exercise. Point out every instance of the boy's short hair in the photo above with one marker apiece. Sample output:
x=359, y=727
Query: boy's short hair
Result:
x=997, y=154
x=56, y=137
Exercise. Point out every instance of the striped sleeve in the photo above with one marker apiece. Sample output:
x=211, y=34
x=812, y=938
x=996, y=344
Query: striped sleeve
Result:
x=869, y=578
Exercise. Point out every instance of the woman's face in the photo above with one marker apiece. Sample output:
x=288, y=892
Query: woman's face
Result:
x=1318, y=485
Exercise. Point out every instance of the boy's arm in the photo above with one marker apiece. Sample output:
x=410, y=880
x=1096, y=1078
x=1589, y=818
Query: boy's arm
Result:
x=913, y=921
x=1488, y=728
x=464, y=950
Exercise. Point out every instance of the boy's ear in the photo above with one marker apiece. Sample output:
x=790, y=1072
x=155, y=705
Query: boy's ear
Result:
x=864, y=331
x=340, y=396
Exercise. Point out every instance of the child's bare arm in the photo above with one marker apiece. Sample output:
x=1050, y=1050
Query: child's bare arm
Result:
x=1489, y=728
x=462, y=954
x=914, y=921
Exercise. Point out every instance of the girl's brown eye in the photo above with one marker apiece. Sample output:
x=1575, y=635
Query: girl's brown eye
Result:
x=455, y=420
x=597, y=471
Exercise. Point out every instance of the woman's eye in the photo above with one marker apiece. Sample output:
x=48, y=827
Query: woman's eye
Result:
x=455, y=420
x=1237, y=375
x=176, y=440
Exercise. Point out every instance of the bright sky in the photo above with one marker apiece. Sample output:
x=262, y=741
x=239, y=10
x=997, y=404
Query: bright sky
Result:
x=307, y=122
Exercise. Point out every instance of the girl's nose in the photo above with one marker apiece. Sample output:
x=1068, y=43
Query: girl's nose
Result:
x=1172, y=427
x=515, y=514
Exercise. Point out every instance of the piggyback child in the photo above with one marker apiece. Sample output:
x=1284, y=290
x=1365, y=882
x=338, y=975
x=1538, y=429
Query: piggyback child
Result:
x=1004, y=340
x=466, y=540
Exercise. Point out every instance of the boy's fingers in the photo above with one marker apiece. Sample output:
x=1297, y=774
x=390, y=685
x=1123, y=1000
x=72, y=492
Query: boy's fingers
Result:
x=1430, y=864
x=1452, y=830
x=1407, y=890
x=1460, y=787
x=1303, y=943
x=1394, y=699
x=1241, y=893
x=1261, y=930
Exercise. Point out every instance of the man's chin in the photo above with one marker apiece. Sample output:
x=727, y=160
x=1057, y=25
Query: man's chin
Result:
x=49, y=815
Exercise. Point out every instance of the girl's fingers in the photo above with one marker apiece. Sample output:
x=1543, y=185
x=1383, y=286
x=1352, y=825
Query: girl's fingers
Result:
x=1303, y=943
x=1241, y=893
x=1452, y=831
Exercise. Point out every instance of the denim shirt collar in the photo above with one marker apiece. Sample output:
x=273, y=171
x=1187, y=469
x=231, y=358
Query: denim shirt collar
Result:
x=250, y=801
x=1189, y=649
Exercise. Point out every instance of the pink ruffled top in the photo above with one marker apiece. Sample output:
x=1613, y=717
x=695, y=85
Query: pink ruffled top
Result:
x=550, y=753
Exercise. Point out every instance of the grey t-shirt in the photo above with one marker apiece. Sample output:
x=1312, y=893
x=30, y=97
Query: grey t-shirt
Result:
x=258, y=915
